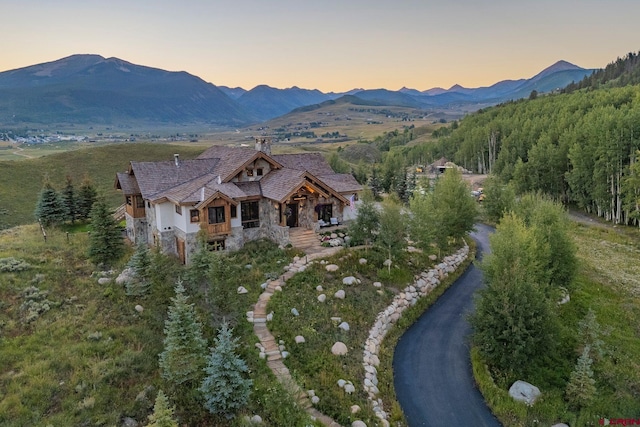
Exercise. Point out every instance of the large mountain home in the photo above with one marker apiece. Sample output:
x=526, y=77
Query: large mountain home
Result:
x=233, y=195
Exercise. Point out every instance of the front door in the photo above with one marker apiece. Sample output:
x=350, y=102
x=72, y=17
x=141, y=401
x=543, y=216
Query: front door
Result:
x=292, y=214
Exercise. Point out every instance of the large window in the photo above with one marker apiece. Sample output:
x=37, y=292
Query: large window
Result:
x=250, y=212
x=216, y=245
x=216, y=214
x=195, y=215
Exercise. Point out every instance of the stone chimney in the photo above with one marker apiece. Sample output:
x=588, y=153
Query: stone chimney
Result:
x=264, y=145
x=176, y=159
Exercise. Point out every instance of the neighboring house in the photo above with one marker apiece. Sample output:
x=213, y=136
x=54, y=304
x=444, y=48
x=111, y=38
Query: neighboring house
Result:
x=234, y=195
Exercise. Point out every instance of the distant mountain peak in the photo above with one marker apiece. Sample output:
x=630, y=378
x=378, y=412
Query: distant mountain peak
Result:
x=561, y=65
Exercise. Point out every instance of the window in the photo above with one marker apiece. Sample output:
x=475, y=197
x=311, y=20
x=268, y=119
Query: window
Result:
x=216, y=215
x=259, y=171
x=250, y=212
x=249, y=172
x=139, y=202
x=216, y=245
x=195, y=215
x=234, y=211
x=325, y=212
x=179, y=209
x=129, y=201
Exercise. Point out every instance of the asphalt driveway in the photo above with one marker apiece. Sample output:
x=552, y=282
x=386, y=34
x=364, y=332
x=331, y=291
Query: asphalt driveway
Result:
x=432, y=367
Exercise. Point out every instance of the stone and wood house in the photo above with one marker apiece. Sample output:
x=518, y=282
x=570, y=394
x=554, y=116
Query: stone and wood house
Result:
x=233, y=195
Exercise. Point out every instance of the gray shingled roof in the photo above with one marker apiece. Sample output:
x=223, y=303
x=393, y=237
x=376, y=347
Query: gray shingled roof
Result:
x=341, y=182
x=311, y=162
x=157, y=177
x=186, y=183
x=128, y=184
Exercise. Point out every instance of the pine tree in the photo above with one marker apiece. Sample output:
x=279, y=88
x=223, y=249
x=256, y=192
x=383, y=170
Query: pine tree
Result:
x=49, y=210
x=225, y=389
x=106, y=245
x=401, y=188
x=69, y=201
x=162, y=413
x=87, y=196
x=374, y=183
x=581, y=388
x=590, y=331
x=185, y=349
x=140, y=263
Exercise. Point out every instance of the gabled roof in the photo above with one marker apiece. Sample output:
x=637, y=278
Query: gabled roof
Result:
x=311, y=162
x=127, y=183
x=209, y=176
x=233, y=160
x=156, y=177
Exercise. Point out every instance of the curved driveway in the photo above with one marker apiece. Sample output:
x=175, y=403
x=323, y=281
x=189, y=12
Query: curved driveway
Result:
x=432, y=367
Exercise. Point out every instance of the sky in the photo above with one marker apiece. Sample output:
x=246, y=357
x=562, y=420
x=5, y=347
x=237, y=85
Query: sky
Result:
x=331, y=45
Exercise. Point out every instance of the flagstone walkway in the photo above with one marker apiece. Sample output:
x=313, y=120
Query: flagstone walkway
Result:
x=272, y=352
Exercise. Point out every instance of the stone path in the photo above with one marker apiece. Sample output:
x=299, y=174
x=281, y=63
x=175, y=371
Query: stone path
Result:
x=268, y=341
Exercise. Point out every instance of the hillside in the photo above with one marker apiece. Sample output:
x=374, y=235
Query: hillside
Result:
x=621, y=72
x=91, y=89
x=22, y=180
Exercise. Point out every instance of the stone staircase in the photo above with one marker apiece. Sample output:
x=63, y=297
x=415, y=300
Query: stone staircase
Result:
x=305, y=240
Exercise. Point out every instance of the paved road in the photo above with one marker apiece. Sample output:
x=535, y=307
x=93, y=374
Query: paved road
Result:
x=432, y=368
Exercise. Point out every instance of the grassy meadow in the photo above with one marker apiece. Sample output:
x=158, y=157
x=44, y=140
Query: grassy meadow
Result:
x=75, y=352
x=22, y=180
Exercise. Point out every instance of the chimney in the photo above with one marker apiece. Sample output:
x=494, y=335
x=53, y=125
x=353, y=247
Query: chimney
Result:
x=264, y=145
x=176, y=159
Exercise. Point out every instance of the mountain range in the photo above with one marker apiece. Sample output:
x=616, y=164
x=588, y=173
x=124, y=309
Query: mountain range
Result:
x=91, y=89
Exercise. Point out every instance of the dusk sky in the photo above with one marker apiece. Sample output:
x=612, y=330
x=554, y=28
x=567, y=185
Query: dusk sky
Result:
x=331, y=45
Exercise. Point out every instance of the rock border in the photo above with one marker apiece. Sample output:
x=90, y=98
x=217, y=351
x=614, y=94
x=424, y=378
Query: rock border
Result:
x=422, y=286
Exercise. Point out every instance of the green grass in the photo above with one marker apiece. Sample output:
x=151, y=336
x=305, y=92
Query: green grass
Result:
x=22, y=180
x=91, y=358
x=311, y=363
x=607, y=283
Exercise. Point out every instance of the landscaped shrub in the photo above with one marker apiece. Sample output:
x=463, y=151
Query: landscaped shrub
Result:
x=13, y=265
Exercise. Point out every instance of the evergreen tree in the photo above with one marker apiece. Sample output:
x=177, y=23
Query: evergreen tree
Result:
x=140, y=263
x=412, y=184
x=225, y=389
x=106, y=245
x=374, y=183
x=184, y=352
x=87, y=196
x=581, y=388
x=162, y=413
x=69, y=201
x=590, y=331
x=401, y=187
x=49, y=209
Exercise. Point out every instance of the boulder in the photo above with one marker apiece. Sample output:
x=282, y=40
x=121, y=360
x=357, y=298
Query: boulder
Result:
x=560, y=425
x=322, y=297
x=319, y=288
x=524, y=392
x=335, y=242
x=387, y=262
x=362, y=261
x=349, y=280
x=104, y=281
x=315, y=400
x=355, y=409
x=377, y=284
x=295, y=312
x=256, y=419
x=344, y=326
x=299, y=339
x=331, y=267
x=129, y=422
x=358, y=423
x=126, y=276
x=433, y=257
x=339, y=349
x=349, y=388
x=339, y=294
x=341, y=383
x=139, y=308
x=242, y=290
